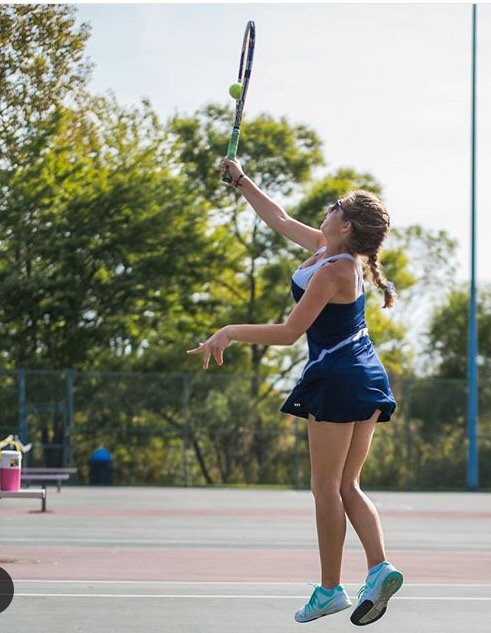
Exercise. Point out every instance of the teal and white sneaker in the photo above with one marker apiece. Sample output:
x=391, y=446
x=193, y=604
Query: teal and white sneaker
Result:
x=323, y=602
x=381, y=584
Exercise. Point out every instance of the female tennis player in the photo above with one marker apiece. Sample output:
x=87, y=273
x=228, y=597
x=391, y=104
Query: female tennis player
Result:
x=344, y=389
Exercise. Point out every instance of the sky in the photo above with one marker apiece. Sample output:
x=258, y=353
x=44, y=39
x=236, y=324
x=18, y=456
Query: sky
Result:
x=386, y=86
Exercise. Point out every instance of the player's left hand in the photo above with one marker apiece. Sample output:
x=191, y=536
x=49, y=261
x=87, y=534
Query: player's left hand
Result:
x=214, y=346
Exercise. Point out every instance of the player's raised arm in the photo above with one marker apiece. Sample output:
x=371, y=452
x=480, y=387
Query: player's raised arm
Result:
x=271, y=212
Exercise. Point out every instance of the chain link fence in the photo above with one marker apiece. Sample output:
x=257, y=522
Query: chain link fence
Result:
x=210, y=428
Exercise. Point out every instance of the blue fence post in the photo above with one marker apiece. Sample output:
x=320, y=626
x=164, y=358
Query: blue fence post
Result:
x=23, y=423
x=185, y=428
x=67, y=432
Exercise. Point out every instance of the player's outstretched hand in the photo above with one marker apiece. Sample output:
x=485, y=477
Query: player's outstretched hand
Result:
x=214, y=346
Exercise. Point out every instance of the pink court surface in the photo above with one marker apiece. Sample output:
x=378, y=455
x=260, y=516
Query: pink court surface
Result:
x=232, y=561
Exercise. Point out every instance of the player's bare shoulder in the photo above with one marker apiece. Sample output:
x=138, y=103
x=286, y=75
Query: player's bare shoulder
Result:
x=338, y=275
x=339, y=269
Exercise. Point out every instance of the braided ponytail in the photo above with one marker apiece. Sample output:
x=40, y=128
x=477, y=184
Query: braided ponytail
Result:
x=370, y=223
x=380, y=281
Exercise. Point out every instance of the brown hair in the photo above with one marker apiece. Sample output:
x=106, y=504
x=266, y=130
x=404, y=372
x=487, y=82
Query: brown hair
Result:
x=370, y=223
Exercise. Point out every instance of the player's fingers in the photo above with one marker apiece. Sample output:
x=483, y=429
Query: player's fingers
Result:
x=218, y=356
x=206, y=359
x=224, y=170
x=230, y=162
x=196, y=350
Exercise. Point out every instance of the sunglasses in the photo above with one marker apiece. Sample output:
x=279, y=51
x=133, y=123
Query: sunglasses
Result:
x=336, y=205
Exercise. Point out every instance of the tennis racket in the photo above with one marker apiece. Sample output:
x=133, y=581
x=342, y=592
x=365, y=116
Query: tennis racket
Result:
x=245, y=68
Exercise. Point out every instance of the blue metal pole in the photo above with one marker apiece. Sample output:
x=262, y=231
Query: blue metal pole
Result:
x=472, y=374
x=68, y=430
x=23, y=430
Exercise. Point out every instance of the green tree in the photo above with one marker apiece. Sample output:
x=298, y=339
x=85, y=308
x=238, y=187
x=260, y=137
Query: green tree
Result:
x=42, y=67
x=97, y=233
x=438, y=401
x=447, y=334
x=100, y=233
x=424, y=261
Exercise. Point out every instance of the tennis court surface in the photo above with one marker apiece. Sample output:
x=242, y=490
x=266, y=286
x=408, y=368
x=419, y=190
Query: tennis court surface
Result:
x=227, y=560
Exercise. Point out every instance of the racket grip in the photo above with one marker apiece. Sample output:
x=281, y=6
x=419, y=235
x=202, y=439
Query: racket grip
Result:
x=233, y=145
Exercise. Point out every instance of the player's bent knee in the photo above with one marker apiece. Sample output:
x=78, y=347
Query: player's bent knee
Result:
x=349, y=488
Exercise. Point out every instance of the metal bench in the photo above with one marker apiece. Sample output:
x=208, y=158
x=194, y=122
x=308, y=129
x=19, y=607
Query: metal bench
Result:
x=26, y=494
x=47, y=474
x=48, y=477
x=47, y=471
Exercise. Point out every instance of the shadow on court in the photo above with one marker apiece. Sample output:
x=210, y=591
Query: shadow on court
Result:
x=210, y=560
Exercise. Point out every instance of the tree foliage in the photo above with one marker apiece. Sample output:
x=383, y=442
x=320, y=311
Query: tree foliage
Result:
x=42, y=67
x=447, y=334
x=97, y=232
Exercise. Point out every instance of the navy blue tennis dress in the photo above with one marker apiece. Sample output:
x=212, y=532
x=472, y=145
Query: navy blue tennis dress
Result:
x=344, y=379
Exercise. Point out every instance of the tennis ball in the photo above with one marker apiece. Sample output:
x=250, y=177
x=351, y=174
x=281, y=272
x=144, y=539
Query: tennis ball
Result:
x=235, y=91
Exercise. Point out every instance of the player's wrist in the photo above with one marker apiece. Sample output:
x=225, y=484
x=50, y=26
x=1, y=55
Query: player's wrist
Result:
x=227, y=331
x=244, y=183
x=237, y=182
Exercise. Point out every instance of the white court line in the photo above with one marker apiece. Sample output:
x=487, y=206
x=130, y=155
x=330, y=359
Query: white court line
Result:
x=214, y=583
x=220, y=544
x=222, y=597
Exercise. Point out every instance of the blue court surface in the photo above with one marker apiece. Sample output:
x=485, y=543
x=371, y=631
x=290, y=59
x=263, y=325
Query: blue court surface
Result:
x=219, y=560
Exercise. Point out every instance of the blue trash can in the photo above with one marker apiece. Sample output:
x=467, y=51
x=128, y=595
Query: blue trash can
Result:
x=101, y=468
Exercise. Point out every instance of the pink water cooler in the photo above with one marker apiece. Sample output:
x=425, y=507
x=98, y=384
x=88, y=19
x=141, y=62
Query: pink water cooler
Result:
x=10, y=466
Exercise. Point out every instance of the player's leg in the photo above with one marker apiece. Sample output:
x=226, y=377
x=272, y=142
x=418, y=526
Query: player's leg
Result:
x=383, y=579
x=329, y=444
x=361, y=512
